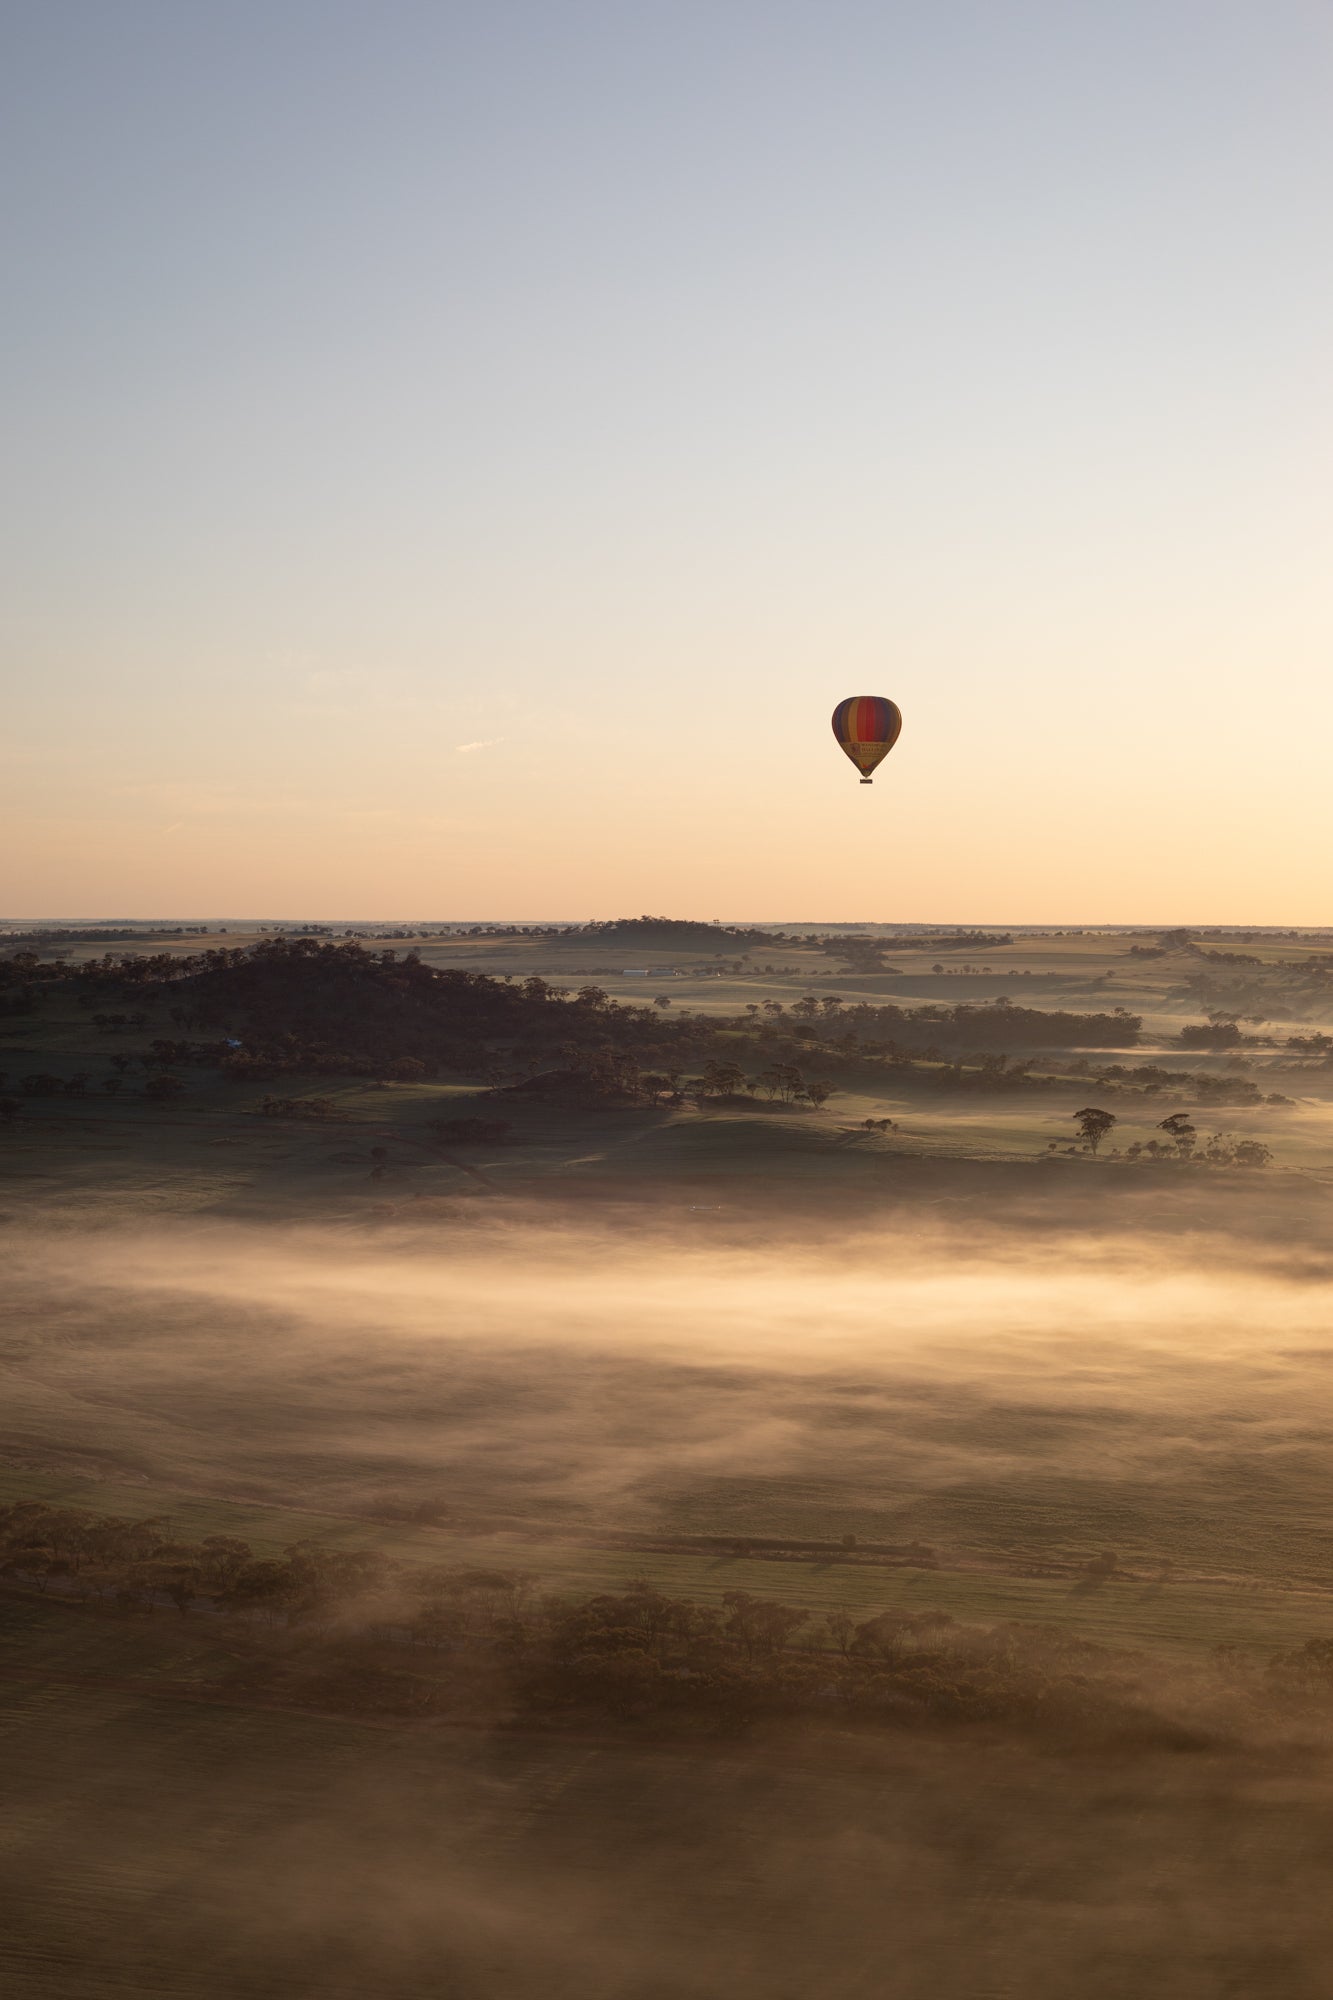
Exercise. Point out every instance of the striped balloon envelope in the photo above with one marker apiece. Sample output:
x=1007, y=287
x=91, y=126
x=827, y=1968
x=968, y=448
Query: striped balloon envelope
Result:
x=867, y=726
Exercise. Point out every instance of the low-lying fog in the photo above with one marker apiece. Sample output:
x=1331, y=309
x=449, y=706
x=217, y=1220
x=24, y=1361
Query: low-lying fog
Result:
x=970, y=1384
x=1164, y=1397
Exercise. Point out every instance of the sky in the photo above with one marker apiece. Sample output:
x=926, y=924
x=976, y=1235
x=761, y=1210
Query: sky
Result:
x=458, y=455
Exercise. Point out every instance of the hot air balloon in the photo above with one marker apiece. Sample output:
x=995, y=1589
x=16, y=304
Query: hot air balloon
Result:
x=867, y=726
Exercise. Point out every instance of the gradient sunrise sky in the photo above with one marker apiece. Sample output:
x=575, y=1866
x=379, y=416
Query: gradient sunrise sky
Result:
x=459, y=454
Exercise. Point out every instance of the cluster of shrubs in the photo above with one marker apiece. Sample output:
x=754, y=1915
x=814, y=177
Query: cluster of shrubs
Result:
x=1220, y=1149
x=1213, y=1035
x=40, y=1083
x=1317, y=1044
x=780, y=1082
x=1152, y=1079
x=602, y=1077
x=1180, y=1143
x=158, y=1088
x=838, y=944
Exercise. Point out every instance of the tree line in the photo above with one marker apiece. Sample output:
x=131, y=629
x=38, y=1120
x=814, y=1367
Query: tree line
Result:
x=356, y=1631
x=304, y=1005
x=1182, y=1142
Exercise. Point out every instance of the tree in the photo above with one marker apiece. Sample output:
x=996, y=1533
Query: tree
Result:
x=782, y=1081
x=407, y=1069
x=819, y=1093
x=1180, y=1132
x=1094, y=1125
x=760, y=1624
x=1217, y=1033
x=40, y=1083
x=265, y=1586
x=883, y=1636
x=839, y=1626
x=721, y=1079
x=182, y=1588
x=224, y=1557
x=161, y=1089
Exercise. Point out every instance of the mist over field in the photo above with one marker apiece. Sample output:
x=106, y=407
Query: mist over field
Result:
x=600, y=1368
x=515, y=1368
x=1015, y=1391
x=270, y=1860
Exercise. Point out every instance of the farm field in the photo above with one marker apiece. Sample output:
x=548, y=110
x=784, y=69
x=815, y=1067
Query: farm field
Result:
x=329, y=1313
x=213, y=1150
x=908, y=1354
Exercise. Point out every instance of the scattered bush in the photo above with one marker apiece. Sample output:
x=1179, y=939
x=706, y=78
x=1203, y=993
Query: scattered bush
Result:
x=1210, y=1035
x=42, y=1084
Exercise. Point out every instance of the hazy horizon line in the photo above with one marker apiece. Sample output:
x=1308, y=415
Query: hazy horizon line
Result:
x=912, y=925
